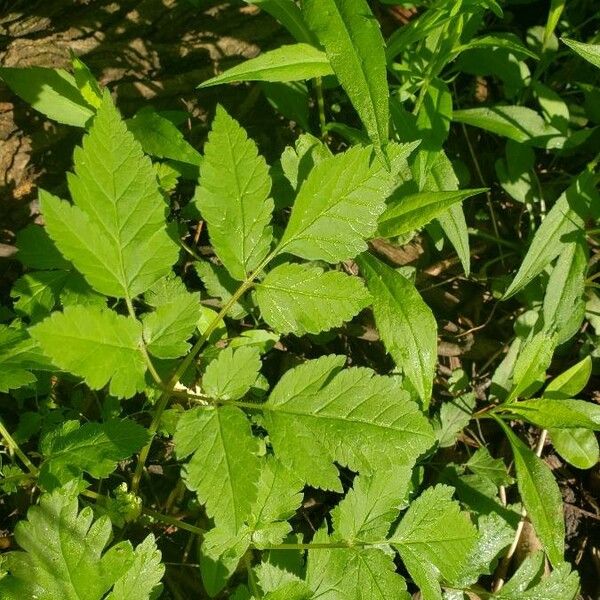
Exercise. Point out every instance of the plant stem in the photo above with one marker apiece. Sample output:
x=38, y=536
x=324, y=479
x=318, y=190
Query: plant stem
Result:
x=183, y=366
x=14, y=447
x=318, y=84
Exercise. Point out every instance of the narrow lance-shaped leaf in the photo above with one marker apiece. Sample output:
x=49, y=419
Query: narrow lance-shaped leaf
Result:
x=589, y=52
x=405, y=323
x=115, y=233
x=303, y=299
x=96, y=344
x=294, y=62
x=289, y=15
x=233, y=197
x=541, y=496
x=337, y=207
x=355, y=48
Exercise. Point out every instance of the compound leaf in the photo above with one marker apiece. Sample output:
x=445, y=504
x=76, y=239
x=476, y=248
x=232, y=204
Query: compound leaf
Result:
x=233, y=196
x=337, y=207
x=354, y=45
x=224, y=467
x=96, y=344
x=231, y=375
x=434, y=539
x=319, y=413
x=303, y=299
x=62, y=556
x=115, y=232
x=406, y=324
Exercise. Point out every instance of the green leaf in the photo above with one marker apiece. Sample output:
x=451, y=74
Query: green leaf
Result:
x=319, y=413
x=231, y=375
x=62, y=553
x=483, y=464
x=298, y=161
x=36, y=293
x=354, y=45
x=578, y=447
x=37, y=251
x=93, y=448
x=224, y=468
x=337, y=207
x=434, y=538
x=289, y=15
x=220, y=284
x=159, y=137
x=527, y=583
x=118, y=255
x=556, y=231
x=172, y=323
x=517, y=123
x=86, y=82
x=406, y=324
x=406, y=213
x=454, y=416
x=293, y=62
x=532, y=362
x=53, y=92
x=371, y=506
x=19, y=355
x=564, y=306
x=589, y=52
x=303, y=299
x=233, y=197
x=96, y=344
x=505, y=42
x=142, y=580
x=570, y=382
x=549, y=413
x=541, y=497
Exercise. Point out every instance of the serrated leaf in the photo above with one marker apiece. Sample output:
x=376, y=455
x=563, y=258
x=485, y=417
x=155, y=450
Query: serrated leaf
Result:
x=303, y=299
x=293, y=62
x=224, y=467
x=96, y=344
x=541, y=497
x=19, y=356
x=115, y=232
x=483, y=464
x=556, y=230
x=36, y=293
x=62, y=553
x=406, y=213
x=220, y=284
x=279, y=567
x=579, y=447
x=168, y=328
x=589, y=52
x=551, y=413
x=298, y=161
x=53, y=92
x=318, y=414
x=406, y=324
x=371, y=506
x=354, y=45
x=231, y=375
x=86, y=82
x=564, y=306
x=454, y=416
x=337, y=207
x=434, y=538
x=93, y=448
x=353, y=573
x=517, y=123
x=142, y=580
x=233, y=197
x=37, y=251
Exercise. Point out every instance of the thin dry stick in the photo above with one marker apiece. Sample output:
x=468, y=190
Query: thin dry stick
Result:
x=503, y=568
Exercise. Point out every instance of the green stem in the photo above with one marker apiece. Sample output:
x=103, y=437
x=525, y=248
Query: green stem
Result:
x=318, y=83
x=185, y=363
x=14, y=447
